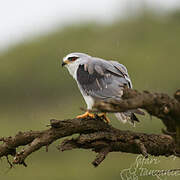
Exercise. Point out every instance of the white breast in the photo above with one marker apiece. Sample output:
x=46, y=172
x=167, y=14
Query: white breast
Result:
x=88, y=99
x=72, y=68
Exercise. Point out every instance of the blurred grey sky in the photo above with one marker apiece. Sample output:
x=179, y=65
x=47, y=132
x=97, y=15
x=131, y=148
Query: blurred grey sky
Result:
x=21, y=19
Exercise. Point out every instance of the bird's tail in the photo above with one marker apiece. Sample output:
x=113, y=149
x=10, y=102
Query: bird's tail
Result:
x=129, y=116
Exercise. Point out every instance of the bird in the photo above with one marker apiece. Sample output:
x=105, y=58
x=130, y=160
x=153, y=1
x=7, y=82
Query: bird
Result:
x=99, y=80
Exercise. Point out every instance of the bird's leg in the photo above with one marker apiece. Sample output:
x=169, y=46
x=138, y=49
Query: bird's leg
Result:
x=103, y=115
x=85, y=115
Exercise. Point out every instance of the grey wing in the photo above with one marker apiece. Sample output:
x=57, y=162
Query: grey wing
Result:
x=123, y=69
x=101, y=79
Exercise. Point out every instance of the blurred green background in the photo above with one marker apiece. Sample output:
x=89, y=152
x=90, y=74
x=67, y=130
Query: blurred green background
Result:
x=34, y=88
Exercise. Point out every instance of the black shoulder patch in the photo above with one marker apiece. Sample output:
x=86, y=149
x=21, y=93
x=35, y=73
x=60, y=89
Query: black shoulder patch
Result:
x=85, y=78
x=88, y=81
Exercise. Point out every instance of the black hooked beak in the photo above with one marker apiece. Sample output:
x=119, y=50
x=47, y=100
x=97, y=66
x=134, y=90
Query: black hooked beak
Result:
x=63, y=64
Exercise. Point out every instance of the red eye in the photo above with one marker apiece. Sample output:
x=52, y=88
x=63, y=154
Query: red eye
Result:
x=72, y=58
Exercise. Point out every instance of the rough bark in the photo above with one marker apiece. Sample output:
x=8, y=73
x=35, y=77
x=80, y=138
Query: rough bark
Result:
x=157, y=104
x=101, y=137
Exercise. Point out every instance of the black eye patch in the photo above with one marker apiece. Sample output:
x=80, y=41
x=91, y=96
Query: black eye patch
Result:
x=72, y=58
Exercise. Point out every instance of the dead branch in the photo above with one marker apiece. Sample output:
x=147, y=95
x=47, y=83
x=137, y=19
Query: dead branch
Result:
x=157, y=104
x=101, y=137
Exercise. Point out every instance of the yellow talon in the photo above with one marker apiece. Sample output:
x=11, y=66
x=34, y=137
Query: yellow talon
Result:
x=85, y=115
x=103, y=115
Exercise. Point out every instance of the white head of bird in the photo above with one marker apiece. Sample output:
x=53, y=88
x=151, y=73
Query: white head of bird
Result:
x=73, y=60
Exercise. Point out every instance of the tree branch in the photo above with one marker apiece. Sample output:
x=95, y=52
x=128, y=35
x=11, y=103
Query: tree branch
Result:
x=156, y=104
x=101, y=137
